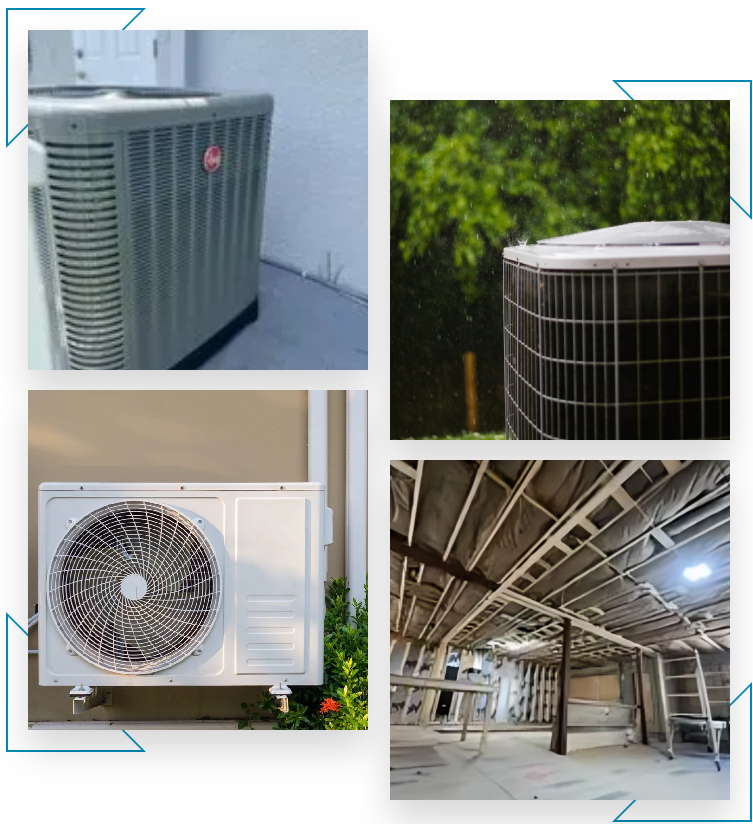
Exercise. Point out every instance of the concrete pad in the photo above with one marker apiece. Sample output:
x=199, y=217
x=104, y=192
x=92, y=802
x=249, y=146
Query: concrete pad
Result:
x=302, y=324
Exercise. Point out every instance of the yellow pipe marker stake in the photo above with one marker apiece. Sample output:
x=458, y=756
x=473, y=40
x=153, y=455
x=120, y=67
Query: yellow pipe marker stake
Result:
x=469, y=359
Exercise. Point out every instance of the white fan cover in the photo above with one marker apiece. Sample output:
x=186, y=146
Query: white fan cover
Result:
x=134, y=587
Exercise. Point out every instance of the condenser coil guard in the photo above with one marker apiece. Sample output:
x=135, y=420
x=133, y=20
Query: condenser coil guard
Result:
x=619, y=333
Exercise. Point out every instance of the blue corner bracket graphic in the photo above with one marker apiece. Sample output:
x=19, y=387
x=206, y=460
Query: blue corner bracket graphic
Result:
x=749, y=690
x=10, y=140
x=8, y=619
x=749, y=211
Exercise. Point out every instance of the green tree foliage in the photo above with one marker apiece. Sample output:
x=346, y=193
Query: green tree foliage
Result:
x=478, y=176
x=341, y=702
x=468, y=178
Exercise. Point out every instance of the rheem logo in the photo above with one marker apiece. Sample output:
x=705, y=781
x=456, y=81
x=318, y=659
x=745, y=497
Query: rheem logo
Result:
x=212, y=159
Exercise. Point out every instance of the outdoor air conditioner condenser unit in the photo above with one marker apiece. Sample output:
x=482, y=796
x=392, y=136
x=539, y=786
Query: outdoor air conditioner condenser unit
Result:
x=619, y=333
x=192, y=584
x=149, y=223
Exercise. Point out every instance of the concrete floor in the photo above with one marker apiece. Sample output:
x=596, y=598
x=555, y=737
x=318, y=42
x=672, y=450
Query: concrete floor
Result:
x=302, y=324
x=427, y=765
x=145, y=725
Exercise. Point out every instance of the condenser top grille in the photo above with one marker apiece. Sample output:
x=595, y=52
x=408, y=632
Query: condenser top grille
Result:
x=664, y=244
x=134, y=587
x=663, y=233
x=88, y=102
x=134, y=92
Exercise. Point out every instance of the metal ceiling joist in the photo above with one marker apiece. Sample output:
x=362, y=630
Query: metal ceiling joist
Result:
x=637, y=540
x=405, y=468
x=623, y=498
x=486, y=620
x=466, y=506
x=553, y=612
x=662, y=537
x=586, y=503
x=491, y=606
x=588, y=544
x=515, y=493
x=528, y=475
x=436, y=607
x=569, y=520
x=501, y=483
x=650, y=560
x=581, y=623
x=423, y=566
x=448, y=608
x=482, y=469
x=402, y=594
x=673, y=467
x=414, y=507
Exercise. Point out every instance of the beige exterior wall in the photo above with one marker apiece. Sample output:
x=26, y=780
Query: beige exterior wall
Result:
x=166, y=436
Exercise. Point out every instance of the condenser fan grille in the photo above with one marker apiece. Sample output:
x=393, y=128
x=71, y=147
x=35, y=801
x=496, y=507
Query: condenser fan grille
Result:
x=134, y=587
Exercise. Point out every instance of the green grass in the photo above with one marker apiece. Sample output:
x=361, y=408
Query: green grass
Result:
x=468, y=436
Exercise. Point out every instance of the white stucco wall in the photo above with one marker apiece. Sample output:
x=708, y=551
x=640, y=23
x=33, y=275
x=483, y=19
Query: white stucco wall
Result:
x=317, y=195
x=51, y=58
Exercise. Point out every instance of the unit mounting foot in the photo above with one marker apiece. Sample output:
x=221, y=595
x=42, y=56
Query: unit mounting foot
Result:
x=86, y=698
x=281, y=691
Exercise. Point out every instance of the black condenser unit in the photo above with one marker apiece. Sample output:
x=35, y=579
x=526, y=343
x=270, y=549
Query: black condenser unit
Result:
x=619, y=333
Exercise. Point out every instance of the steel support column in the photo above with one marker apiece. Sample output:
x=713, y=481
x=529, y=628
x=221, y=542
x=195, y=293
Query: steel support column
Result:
x=641, y=698
x=559, y=728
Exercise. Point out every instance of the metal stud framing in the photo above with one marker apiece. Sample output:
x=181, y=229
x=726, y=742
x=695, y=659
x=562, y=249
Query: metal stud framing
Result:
x=594, y=639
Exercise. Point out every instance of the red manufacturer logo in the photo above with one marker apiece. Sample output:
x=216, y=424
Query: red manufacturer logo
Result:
x=212, y=159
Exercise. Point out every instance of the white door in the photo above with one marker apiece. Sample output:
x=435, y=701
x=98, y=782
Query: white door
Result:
x=123, y=58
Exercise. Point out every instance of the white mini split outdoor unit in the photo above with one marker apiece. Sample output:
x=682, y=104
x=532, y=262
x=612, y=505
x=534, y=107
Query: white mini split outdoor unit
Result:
x=181, y=584
x=619, y=333
x=149, y=221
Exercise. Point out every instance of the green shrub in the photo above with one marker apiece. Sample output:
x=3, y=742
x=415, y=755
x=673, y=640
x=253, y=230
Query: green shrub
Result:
x=341, y=701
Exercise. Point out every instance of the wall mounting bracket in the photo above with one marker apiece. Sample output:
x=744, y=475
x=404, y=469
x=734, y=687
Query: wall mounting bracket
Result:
x=281, y=692
x=86, y=698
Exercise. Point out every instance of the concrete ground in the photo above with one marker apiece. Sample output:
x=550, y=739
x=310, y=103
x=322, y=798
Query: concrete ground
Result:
x=519, y=765
x=302, y=324
x=145, y=725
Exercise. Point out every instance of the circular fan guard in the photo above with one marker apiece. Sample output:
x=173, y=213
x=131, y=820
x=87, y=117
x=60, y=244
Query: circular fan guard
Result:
x=134, y=587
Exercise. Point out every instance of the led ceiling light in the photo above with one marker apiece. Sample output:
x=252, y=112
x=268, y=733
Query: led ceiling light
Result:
x=697, y=572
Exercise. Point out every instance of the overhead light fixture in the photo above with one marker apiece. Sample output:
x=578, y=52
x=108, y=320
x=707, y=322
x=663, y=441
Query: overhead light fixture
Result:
x=697, y=572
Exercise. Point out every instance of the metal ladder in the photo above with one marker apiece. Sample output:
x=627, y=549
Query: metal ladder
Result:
x=701, y=721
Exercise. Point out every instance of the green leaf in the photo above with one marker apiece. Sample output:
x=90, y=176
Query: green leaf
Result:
x=345, y=656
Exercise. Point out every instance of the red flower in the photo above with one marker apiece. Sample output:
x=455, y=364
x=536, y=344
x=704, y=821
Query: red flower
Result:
x=329, y=705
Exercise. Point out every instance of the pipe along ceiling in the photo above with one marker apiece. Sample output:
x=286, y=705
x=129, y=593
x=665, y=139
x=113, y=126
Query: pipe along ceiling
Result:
x=494, y=553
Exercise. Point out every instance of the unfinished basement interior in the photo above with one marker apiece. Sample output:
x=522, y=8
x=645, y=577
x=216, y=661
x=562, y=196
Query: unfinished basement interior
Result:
x=560, y=629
